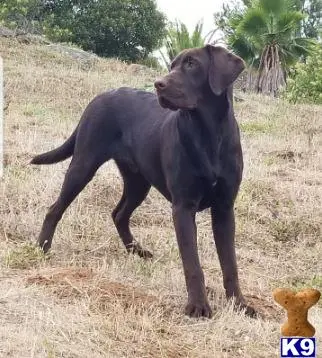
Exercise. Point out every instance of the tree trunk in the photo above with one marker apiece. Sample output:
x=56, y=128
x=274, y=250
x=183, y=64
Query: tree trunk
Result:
x=270, y=72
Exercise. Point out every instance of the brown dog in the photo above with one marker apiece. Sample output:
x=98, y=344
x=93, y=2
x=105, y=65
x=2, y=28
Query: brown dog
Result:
x=184, y=141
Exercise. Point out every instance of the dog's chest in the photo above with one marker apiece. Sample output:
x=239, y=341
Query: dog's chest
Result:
x=199, y=166
x=203, y=154
x=220, y=182
x=222, y=192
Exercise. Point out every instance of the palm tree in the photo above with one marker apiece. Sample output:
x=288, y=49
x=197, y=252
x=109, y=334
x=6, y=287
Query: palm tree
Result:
x=266, y=36
x=178, y=39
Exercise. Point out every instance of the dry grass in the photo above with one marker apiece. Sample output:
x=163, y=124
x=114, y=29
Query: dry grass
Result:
x=89, y=298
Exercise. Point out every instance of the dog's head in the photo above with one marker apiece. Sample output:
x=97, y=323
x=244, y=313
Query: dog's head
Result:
x=195, y=73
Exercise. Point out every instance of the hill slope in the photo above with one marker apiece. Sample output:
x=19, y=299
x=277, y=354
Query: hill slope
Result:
x=90, y=299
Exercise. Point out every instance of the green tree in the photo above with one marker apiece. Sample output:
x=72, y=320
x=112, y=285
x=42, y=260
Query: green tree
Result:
x=224, y=19
x=266, y=35
x=128, y=29
x=305, y=83
x=25, y=15
x=178, y=38
x=312, y=22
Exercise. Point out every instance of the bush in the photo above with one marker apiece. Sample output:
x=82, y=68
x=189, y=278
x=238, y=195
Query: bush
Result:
x=152, y=62
x=305, y=82
x=127, y=29
x=26, y=15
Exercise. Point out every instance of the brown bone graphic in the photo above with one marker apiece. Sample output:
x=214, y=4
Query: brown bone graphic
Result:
x=297, y=306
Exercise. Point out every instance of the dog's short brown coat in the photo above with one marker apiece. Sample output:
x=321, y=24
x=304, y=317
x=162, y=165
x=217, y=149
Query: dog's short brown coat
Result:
x=184, y=141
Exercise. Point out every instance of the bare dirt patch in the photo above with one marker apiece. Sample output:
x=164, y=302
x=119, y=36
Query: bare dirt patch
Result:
x=69, y=283
x=265, y=308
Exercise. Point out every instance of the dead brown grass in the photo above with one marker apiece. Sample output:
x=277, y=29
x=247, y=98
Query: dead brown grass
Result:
x=89, y=298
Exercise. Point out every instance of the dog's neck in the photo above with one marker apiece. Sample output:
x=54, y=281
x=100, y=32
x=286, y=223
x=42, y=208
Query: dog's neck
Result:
x=212, y=118
x=207, y=123
x=212, y=110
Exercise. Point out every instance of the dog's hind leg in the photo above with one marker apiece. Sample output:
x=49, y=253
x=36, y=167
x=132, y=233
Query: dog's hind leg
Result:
x=135, y=190
x=79, y=174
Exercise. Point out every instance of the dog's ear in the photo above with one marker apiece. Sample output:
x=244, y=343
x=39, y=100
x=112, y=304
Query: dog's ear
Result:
x=224, y=68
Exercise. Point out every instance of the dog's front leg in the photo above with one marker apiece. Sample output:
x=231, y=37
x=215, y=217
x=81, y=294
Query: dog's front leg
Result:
x=186, y=232
x=223, y=224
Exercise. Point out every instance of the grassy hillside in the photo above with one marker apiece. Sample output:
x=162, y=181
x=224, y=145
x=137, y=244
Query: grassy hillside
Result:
x=88, y=298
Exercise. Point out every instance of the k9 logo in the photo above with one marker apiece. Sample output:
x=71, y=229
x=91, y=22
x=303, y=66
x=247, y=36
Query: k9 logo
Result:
x=298, y=347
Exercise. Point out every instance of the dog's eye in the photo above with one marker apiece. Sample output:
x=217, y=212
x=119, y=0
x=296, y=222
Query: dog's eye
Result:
x=190, y=62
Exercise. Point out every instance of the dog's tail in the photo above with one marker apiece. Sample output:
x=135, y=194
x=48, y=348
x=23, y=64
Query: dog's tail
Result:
x=59, y=154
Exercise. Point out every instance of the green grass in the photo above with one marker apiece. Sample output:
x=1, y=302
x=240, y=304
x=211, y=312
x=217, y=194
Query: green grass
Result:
x=258, y=127
x=291, y=229
x=34, y=110
x=25, y=256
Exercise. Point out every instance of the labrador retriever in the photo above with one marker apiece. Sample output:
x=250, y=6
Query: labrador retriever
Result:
x=184, y=140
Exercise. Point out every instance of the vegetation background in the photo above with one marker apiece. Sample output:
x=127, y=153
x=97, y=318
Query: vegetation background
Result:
x=271, y=35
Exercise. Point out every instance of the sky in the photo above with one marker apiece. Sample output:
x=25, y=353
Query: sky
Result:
x=191, y=11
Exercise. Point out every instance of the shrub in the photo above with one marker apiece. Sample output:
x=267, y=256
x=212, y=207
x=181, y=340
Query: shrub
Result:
x=127, y=29
x=305, y=82
x=26, y=15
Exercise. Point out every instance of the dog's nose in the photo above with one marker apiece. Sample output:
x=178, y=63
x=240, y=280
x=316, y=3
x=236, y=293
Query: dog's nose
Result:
x=160, y=84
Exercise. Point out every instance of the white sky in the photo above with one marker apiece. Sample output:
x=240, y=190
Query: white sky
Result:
x=191, y=11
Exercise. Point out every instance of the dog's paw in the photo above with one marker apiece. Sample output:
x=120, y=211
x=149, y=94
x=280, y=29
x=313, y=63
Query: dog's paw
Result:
x=45, y=245
x=145, y=254
x=197, y=309
x=249, y=310
x=137, y=249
